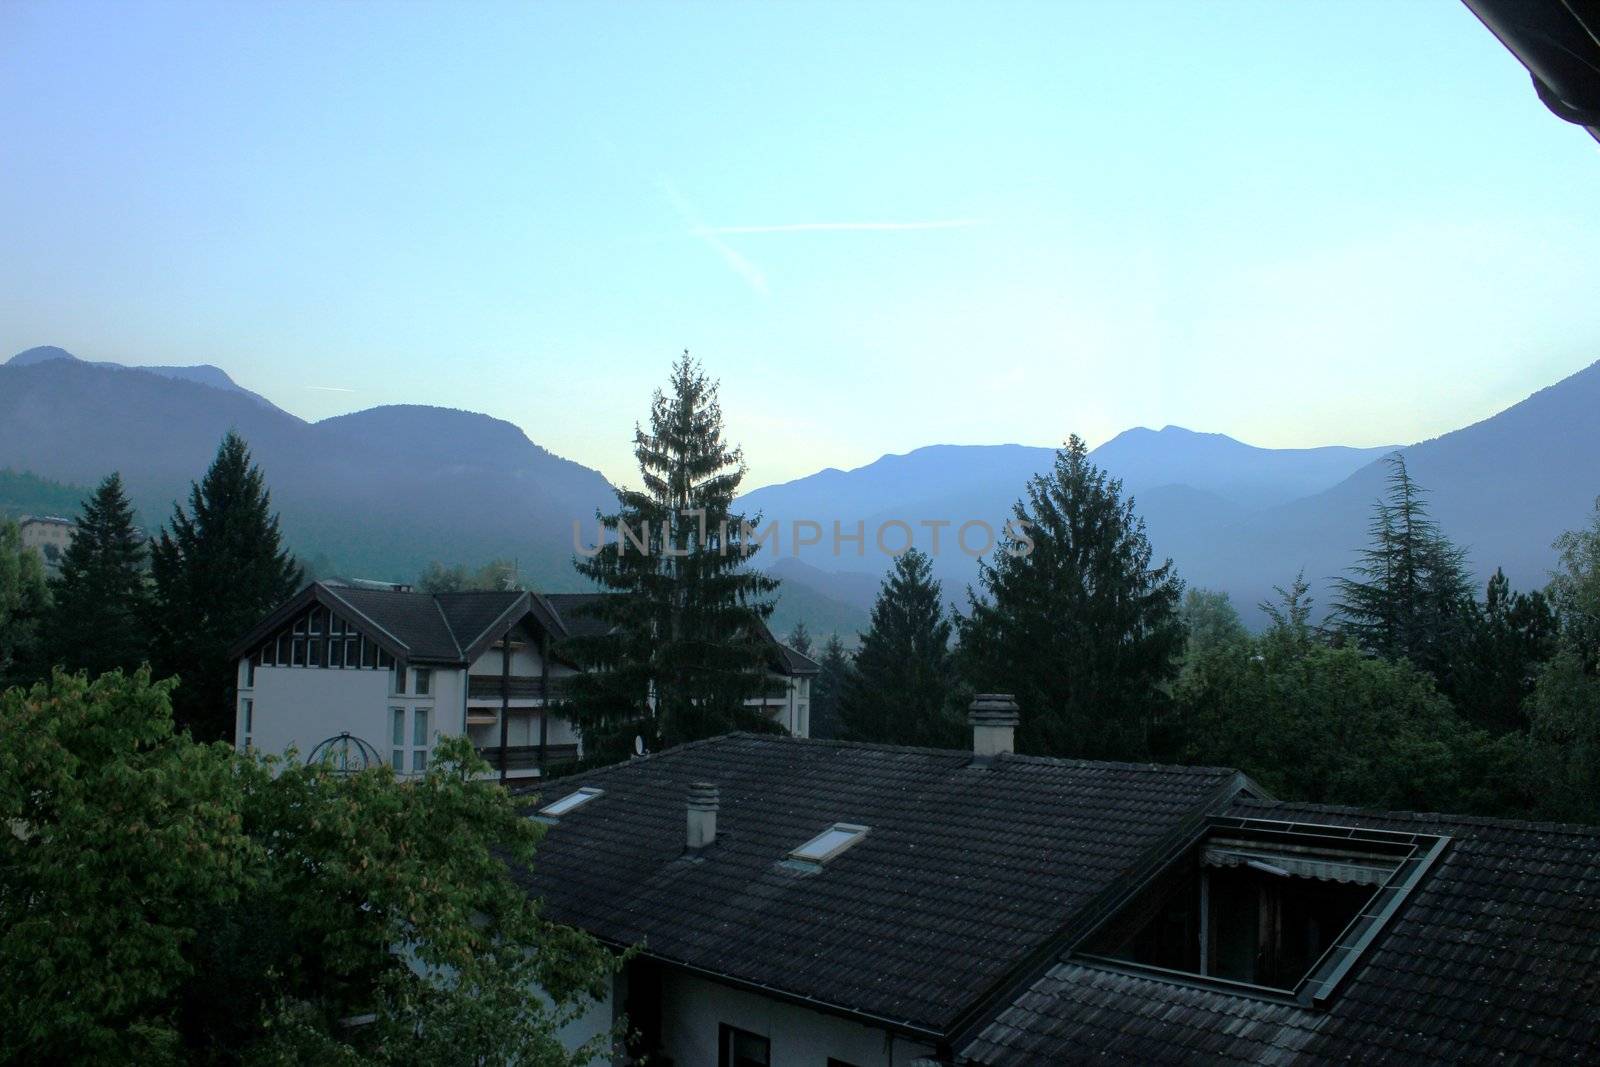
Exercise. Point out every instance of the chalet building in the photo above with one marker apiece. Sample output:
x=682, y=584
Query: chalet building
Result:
x=49, y=535
x=817, y=902
x=387, y=671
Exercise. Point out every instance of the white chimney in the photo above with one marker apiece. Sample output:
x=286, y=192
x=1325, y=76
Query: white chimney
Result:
x=994, y=718
x=703, y=803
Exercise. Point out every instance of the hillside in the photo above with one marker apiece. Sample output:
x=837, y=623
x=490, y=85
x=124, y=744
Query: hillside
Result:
x=377, y=493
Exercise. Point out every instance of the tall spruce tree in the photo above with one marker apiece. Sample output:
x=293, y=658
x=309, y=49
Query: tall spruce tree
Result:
x=218, y=569
x=1409, y=596
x=900, y=690
x=686, y=647
x=799, y=638
x=24, y=605
x=829, y=687
x=101, y=595
x=1074, y=617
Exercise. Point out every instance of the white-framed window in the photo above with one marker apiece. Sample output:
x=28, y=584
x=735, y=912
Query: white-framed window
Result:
x=421, y=739
x=828, y=844
x=397, y=680
x=424, y=682
x=397, y=758
x=248, y=718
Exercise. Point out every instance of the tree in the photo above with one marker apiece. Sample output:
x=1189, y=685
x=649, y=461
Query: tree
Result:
x=99, y=621
x=1337, y=726
x=167, y=901
x=686, y=645
x=1506, y=639
x=1409, y=595
x=24, y=604
x=219, y=568
x=800, y=638
x=900, y=691
x=1209, y=620
x=829, y=687
x=1575, y=589
x=1074, y=618
x=498, y=574
x=1564, y=739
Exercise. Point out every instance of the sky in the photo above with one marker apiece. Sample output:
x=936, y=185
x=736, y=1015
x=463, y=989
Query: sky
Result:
x=880, y=226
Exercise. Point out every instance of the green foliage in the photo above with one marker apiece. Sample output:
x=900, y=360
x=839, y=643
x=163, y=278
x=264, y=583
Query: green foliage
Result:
x=498, y=574
x=1336, y=726
x=1209, y=621
x=1083, y=629
x=22, y=493
x=686, y=647
x=1506, y=639
x=218, y=569
x=903, y=684
x=1409, y=597
x=101, y=594
x=828, y=688
x=24, y=602
x=1564, y=738
x=166, y=900
x=799, y=638
x=1575, y=589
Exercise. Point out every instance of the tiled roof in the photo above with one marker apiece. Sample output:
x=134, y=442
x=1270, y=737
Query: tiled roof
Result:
x=964, y=873
x=798, y=662
x=418, y=620
x=1495, y=957
x=573, y=611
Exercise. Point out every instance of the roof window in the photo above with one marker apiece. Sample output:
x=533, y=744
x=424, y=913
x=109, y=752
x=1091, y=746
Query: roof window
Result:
x=828, y=844
x=570, y=802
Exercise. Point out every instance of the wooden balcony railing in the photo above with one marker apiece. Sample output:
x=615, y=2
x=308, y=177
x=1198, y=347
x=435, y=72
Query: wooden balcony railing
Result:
x=526, y=757
x=520, y=687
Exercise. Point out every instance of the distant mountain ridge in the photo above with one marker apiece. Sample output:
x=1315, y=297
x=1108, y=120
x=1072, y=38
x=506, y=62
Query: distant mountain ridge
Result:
x=378, y=492
x=203, y=373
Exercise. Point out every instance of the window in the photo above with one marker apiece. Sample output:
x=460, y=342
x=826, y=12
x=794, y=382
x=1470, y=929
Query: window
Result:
x=424, y=681
x=299, y=652
x=419, y=740
x=369, y=653
x=741, y=1048
x=398, y=760
x=250, y=672
x=571, y=801
x=397, y=678
x=828, y=844
x=336, y=653
x=314, y=652
x=249, y=708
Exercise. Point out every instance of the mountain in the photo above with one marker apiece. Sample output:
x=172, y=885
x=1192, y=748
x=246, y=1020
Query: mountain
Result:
x=378, y=493
x=203, y=374
x=1184, y=482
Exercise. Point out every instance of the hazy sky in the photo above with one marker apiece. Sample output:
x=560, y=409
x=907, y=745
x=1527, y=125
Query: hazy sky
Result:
x=881, y=226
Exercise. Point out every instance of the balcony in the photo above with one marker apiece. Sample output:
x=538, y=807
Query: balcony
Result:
x=517, y=687
x=519, y=758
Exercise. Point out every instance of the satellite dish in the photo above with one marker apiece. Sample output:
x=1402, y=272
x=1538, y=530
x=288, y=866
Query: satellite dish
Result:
x=638, y=744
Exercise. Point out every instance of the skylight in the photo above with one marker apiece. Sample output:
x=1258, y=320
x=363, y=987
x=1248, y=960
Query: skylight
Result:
x=828, y=844
x=571, y=801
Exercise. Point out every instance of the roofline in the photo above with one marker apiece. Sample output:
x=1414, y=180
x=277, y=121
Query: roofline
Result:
x=1428, y=818
x=315, y=592
x=527, y=603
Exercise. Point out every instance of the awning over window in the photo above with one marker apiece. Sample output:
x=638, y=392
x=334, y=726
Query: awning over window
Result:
x=1353, y=870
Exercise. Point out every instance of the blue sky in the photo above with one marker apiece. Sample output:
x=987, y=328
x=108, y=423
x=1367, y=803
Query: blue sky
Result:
x=881, y=226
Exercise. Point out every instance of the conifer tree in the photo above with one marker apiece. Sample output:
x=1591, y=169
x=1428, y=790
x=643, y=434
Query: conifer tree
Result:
x=686, y=646
x=829, y=687
x=900, y=690
x=1074, y=618
x=1508, y=637
x=24, y=602
x=1409, y=595
x=99, y=620
x=218, y=569
x=799, y=638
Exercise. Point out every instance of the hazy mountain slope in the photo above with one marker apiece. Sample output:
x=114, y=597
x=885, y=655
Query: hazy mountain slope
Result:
x=203, y=374
x=1503, y=488
x=379, y=493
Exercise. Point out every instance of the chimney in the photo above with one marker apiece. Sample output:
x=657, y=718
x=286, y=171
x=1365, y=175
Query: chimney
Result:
x=994, y=718
x=703, y=802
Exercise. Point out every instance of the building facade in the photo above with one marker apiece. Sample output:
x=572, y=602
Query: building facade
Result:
x=48, y=535
x=390, y=671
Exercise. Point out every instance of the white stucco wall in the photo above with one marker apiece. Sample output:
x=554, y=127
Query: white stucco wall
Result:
x=693, y=1008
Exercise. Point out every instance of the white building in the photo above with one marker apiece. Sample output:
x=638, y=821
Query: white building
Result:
x=396, y=670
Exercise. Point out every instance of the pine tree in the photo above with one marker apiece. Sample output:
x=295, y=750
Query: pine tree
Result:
x=24, y=605
x=686, y=648
x=829, y=687
x=1410, y=595
x=799, y=638
x=900, y=690
x=1074, y=618
x=219, y=568
x=1508, y=638
x=99, y=620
